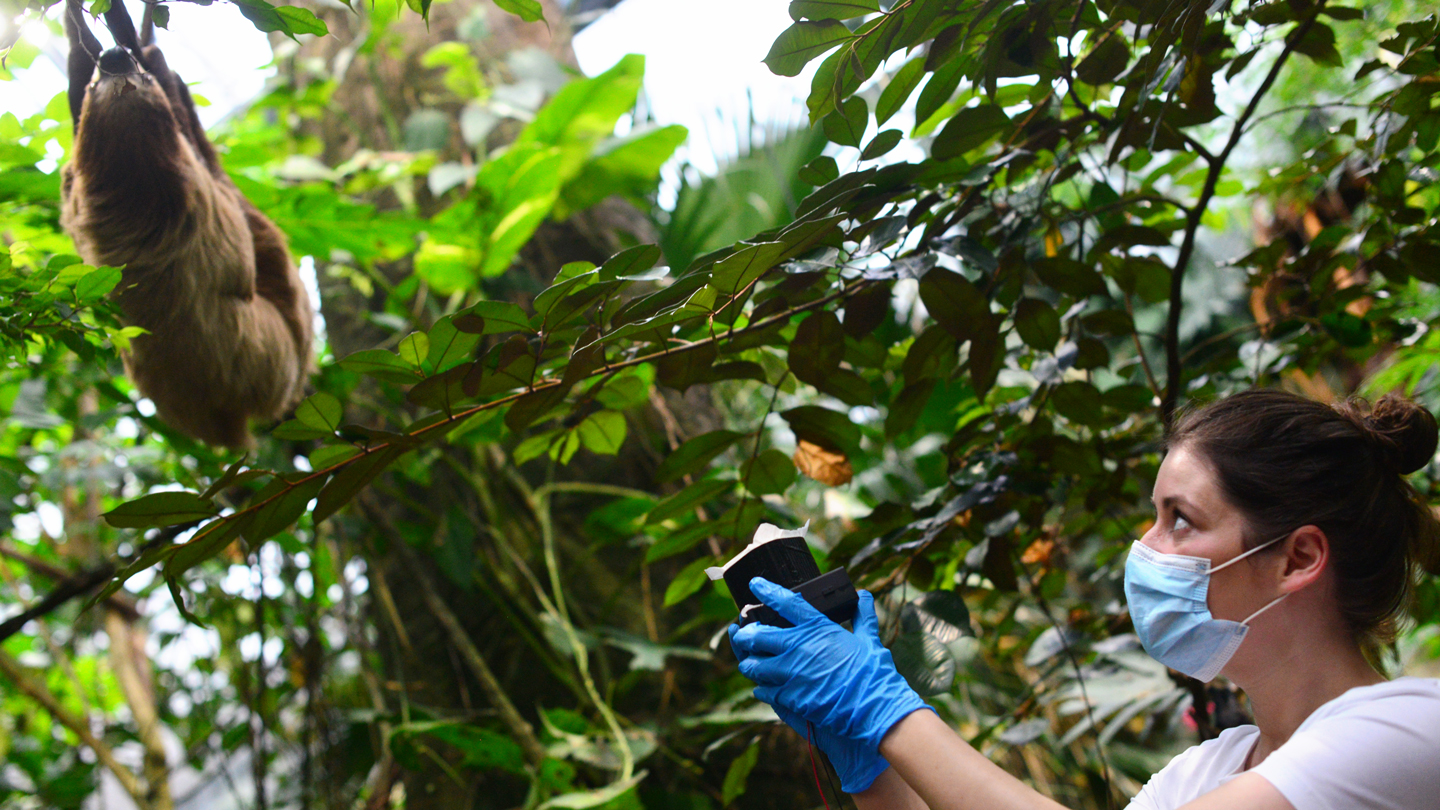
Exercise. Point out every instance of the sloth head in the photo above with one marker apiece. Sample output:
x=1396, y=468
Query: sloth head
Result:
x=128, y=127
x=121, y=86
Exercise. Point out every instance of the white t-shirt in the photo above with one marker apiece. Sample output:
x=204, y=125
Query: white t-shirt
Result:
x=1373, y=748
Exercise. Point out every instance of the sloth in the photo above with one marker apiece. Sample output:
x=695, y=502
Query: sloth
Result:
x=210, y=278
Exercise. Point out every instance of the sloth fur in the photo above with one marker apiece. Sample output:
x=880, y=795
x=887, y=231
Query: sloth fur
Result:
x=206, y=274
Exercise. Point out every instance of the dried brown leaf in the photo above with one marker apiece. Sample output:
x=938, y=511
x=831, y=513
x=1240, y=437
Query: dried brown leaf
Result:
x=826, y=466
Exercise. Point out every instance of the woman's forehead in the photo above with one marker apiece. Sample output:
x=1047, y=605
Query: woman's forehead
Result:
x=1187, y=476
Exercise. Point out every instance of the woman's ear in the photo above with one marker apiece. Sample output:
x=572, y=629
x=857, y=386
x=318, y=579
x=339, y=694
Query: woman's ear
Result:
x=1307, y=553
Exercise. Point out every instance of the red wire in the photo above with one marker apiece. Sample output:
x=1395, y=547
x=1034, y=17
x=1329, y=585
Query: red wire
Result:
x=815, y=769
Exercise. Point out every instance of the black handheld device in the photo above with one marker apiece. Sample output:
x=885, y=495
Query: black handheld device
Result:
x=787, y=561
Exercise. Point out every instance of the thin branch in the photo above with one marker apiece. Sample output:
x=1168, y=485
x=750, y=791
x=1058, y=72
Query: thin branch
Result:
x=77, y=585
x=1140, y=350
x=122, y=603
x=1173, y=365
x=423, y=433
x=540, y=505
x=77, y=725
x=518, y=726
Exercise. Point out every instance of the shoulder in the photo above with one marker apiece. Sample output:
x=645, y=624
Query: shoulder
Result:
x=1373, y=747
x=1403, y=702
x=1197, y=770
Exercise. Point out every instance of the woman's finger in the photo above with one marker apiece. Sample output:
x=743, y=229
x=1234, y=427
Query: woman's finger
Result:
x=766, y=670
x=760, y=639
x=790, y=605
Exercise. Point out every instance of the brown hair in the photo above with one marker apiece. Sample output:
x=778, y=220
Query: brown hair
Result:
x=1285, y=462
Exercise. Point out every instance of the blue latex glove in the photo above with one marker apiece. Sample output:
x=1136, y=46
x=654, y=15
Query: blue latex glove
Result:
x=843, y=682
x=857, y=766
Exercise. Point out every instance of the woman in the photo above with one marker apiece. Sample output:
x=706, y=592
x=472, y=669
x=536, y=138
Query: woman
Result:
x=1285, y=545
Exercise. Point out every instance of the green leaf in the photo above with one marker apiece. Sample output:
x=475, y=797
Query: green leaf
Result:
x=1348, y=330
x=414, y=348
x=96, y=284
x=227, y=478
x=881, y=144
x=603, y=432
x=770, y=473
x=738, y=774
x=448, y=345
x=281, y=512
x=942, y=614
x=697, y=494
x=344, y=484
x=297, y=431
x=680, y=370
x=898, y=91
x=1038, y=323
x=690, y=579
x=627, y=166
x=846, y=126
x=328, y=455
x=160, y=509
x=527, y=10
x=630, y=262
x=320, y=411
x=831, y=9
x=906, y=408
x=937, y=92
x=818, y=348
x=695, y=454
x=522, y=186
x=495, y=317
x=1105, y=61
x=969, y=129
x=802, y=42
x=533, y=406
x=986, y=355
x=680, y=541
x=1319, y=45
x=301, y=21
x=1073, y=278
x=924, y=662
x=572, y=277
x=262, y=15
x=1079, y=402
x=623, y=391
x=954, y=302
x=819, y=171
x=381, y=365
x=821, y=426
x=736, y=271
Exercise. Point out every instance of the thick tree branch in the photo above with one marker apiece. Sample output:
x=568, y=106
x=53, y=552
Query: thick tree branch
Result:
x=1173, y=363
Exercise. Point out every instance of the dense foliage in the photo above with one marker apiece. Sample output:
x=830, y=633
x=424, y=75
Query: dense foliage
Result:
x=957, y=368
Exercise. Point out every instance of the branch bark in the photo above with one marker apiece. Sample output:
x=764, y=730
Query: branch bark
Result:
x=37, y=692
x=1173, y=364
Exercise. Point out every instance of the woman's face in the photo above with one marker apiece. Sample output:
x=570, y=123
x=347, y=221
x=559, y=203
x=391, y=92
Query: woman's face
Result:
x=1193, y=518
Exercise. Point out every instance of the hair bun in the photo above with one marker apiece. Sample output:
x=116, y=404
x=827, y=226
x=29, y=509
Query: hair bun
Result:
x=1405, y=432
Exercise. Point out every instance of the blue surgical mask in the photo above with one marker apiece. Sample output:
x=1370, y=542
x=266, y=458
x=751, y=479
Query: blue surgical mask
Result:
x=1167, y=598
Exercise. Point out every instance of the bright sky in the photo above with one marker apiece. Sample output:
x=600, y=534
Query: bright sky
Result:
x=213, y=48
x=699, y=80
x=703, y=66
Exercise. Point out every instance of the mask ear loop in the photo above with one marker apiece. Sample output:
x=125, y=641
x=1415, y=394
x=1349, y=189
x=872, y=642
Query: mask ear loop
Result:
x=1273, y=602
x=1277, y=600
x=1254, y=550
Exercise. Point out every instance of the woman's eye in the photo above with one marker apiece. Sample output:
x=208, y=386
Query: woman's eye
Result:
x=1181, y=522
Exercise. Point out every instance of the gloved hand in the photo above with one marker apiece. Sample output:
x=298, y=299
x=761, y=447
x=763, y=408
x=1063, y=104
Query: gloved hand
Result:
x=858, y=766
x=843, y=682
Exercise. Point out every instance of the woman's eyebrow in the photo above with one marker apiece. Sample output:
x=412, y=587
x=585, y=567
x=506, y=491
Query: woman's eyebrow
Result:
x=1171, y=501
